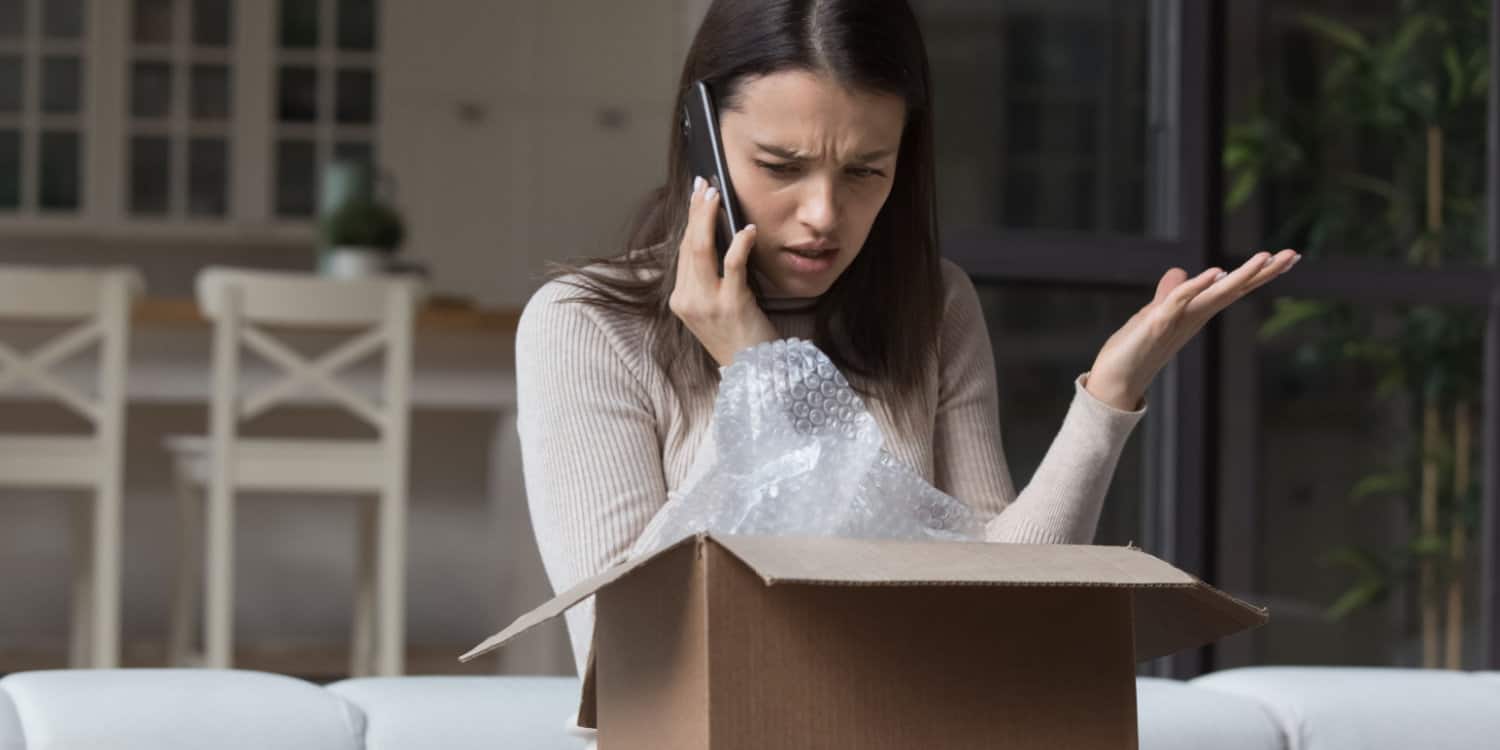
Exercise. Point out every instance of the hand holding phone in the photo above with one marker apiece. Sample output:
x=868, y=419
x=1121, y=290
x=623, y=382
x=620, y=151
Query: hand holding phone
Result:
x=719, y=309
x=705, y=151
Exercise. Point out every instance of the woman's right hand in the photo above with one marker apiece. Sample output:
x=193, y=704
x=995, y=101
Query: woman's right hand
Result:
x=722, y=313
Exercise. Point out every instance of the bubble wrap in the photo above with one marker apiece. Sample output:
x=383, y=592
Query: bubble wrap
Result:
x=797, y=453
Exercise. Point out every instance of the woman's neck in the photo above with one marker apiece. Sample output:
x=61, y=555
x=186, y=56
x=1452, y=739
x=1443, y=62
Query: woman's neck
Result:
x=783, y=304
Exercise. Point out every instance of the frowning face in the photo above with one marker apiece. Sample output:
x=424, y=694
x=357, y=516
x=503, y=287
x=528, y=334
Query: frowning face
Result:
x=812, y=164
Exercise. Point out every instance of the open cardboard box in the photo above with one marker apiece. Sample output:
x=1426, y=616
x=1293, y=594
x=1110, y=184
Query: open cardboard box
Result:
x=744, y=642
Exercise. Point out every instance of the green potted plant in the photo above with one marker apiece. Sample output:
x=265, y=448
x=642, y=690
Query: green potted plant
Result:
x=361, y=236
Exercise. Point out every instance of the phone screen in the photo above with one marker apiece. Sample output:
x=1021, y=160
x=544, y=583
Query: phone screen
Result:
x=700, y=124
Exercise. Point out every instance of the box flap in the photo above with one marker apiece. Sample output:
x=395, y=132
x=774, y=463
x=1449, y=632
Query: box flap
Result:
x=1169, y=619
x=835, y=561
x=1174, y=610
x=563, y=602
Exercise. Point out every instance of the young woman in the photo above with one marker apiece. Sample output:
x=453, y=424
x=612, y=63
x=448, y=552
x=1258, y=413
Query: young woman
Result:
x=826, y=116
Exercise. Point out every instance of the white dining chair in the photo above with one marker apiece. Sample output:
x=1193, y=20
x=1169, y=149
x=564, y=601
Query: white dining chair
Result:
x=243, y=305
x=94, y=307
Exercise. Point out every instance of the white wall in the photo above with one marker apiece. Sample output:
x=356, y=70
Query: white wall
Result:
x=529, y=134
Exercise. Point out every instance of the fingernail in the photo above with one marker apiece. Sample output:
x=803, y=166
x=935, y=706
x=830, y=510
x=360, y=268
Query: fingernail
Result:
x=1267, y=259
x=697, y=184
x=748, y=228
x=709, y=194
x=1295, y=258
x=1221, y=275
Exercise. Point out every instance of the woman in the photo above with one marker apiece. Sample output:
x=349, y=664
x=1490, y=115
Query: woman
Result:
x=826, y=116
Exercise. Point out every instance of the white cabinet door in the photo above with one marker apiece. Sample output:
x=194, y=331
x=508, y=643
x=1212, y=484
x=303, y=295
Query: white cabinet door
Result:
x=596, y=51
x=525, y=131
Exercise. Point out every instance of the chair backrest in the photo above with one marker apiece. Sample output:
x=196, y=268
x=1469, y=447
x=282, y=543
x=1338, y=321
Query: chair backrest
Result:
x=99, y=302
x=241, y=303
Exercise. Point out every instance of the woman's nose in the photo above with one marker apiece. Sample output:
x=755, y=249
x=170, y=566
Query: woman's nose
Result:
x=819, y=208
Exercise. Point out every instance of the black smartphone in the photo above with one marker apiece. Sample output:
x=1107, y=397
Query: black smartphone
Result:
x=705, y=148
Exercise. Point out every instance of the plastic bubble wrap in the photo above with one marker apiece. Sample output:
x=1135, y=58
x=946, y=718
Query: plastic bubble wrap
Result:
x=799, y=454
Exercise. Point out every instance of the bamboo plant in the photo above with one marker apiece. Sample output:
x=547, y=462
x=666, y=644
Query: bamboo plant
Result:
x=1386, y=161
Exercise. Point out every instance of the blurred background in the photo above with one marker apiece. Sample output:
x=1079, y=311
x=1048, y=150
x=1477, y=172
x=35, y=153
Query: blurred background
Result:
x=1324, y=449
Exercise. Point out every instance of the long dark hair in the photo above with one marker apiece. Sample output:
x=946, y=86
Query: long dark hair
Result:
x=879, y=320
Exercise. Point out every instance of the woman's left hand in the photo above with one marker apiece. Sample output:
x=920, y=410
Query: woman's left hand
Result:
x=1132, y=357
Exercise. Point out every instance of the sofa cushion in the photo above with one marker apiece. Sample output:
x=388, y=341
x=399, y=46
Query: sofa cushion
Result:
x=459, y=713
x=1174, y=715
x=10, y=725
x=1369, y=708
x=172, y=709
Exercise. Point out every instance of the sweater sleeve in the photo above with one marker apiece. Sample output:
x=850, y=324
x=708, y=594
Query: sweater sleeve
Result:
x=589, y=444
x=1062, y=502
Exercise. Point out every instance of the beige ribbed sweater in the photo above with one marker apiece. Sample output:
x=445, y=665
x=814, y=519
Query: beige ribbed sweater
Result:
x=604, y=439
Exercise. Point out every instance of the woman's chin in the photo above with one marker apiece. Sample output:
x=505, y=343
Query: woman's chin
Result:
x=797, y=288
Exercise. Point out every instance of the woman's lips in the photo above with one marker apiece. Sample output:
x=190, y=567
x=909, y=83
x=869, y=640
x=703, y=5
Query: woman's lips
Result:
x=808, y=261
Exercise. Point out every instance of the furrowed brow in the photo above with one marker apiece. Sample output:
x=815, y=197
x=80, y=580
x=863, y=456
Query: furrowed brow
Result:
x=795, y=155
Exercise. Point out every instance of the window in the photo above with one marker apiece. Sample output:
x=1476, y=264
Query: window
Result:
x=1044, y=113
x=1359, y=419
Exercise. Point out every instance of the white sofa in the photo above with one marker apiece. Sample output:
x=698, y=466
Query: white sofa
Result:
x=1270, y=708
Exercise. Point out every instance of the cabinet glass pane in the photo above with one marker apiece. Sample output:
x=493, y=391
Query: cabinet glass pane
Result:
x=62, y=19
x=356, y=97
x=62, y=84
x=150, y=89
x=299, y=23
x=210, y=92
x=296, y=177
x=153, y=22
x=12, y=74
x=297, y=89
x=357, y=25
x=1042, y=112
x=59, y=171
x=208, y=177
x=1044, y=337
x=211, y=23
x=10, y=169
x=150, y=170
x=12, y=19
x=356, y=151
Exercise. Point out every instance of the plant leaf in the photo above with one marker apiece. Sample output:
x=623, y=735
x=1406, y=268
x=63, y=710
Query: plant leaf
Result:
x=1333, y=31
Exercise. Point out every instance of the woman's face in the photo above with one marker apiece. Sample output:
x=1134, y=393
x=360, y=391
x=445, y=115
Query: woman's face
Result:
x=812, y=164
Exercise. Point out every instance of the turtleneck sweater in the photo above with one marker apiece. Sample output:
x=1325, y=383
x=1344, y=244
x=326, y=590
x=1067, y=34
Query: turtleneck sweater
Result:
x=605, y=438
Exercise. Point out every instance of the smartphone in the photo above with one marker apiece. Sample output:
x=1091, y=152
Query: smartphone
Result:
x=705, y=150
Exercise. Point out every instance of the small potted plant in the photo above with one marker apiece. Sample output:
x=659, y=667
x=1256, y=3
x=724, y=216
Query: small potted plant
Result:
x=362, y=235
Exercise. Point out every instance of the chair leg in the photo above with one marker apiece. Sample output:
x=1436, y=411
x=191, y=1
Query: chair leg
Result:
x=390, y=582
x=361, y=651
x=107, y=562
x=189, y=577
x=218, y=636
x=79, y=637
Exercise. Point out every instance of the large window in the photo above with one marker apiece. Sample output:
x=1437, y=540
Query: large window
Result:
x=1045, y=113
x=1322, y=447
x=1354, y=414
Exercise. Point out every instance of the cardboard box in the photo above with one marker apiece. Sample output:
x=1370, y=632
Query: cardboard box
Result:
x=739, y=642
